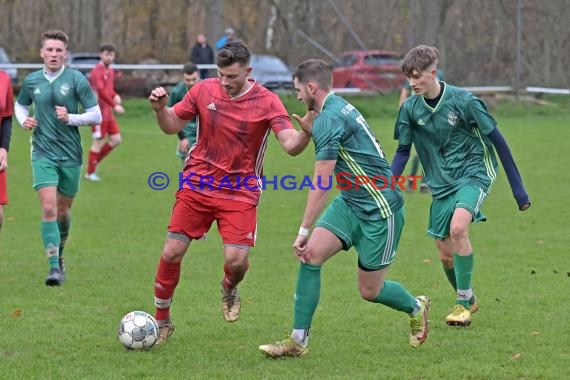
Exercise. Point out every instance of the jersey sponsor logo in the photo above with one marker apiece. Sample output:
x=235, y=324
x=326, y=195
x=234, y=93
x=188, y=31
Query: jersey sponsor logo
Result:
x=37, y=91
x=421, y=122
x=452, y=118
x=211, y=106
x=64, y=89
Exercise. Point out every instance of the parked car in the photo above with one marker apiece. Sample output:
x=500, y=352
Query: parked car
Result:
x=12, y=73
x=83, y=58
x=376, y=70
x=271, y=72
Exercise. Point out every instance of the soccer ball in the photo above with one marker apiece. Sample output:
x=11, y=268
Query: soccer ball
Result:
x=138, y=330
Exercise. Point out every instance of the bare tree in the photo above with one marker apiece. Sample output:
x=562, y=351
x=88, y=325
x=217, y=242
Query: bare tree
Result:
x=477, y=38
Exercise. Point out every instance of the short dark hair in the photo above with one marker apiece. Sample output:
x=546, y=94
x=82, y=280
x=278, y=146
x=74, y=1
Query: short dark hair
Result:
x=189, y=68
x=232, y=52
x=419, y=58
x=107, y=47
x=55, y=34
x=314, y=69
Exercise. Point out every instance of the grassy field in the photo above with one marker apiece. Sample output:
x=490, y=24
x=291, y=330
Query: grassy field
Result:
x=522, y=274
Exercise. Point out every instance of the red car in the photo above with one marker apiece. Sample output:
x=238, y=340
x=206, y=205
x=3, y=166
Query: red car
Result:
x=376, y=70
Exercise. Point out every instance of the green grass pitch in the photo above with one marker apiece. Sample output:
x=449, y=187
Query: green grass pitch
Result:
x=522, y=273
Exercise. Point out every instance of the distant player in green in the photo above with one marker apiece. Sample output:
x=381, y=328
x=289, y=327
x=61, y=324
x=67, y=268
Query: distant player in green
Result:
x=187, y=136
x=455, y=138
x=367, y=215
x=56, y=93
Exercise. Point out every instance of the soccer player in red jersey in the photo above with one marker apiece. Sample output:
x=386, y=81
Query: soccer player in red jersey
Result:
x=220, y=181
x=106, y=136
x=6, y=111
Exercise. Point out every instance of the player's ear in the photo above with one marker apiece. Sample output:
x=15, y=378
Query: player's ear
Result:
x=312, y=87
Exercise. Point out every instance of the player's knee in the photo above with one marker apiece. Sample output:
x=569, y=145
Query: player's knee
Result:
x=446, y=256
x=116, y=140
x=172, y=255
x=458, y=232
x=369, y=293
x=49, y=211
x=446, y=260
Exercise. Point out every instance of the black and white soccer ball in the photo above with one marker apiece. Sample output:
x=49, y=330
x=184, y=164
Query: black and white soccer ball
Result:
x=138, y=330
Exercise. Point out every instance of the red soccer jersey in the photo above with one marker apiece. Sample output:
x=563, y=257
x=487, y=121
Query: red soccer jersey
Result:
x=102, y=80
x=6, y=96
x=227, y=161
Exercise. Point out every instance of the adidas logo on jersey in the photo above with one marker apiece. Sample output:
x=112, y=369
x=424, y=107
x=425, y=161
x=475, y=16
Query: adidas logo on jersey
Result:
x=421, y=122
x=211, y=106
x=37, y=91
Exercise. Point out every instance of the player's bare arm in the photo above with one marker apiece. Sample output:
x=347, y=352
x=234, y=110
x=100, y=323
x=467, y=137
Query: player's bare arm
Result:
x=306, y=122
x=293, y=141
x=316, y=201
x=165, y=116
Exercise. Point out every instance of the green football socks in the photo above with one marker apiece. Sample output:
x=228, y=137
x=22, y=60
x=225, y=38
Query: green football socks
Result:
x=463, y=274
x=450, y=274
x=51, y=239
x=395, y=296
x=307, y=295
x=63, y=225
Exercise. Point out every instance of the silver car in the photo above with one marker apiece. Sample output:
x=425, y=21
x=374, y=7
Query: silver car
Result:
x=271, y=72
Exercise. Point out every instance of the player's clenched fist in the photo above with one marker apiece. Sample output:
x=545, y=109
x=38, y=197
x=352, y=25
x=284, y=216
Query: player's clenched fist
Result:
x=158, y=98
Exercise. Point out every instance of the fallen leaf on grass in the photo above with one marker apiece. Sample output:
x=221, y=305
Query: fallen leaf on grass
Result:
x=535, y=333
x=427, y=261
x=516, y=357
x=16, y=313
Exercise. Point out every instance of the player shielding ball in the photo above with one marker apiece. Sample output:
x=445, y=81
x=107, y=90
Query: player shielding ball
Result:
x=235, y=116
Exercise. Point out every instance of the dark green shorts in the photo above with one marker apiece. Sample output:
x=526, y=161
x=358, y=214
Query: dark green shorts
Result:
x=46, y=174
x=468, y=197
x=376, y=241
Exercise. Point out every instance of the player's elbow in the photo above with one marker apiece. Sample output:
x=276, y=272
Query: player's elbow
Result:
x=294, y=149
x=293, y=152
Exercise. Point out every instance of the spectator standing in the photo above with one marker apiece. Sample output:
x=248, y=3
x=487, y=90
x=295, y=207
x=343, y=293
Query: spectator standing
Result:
x=229, y=35
x=202, y=54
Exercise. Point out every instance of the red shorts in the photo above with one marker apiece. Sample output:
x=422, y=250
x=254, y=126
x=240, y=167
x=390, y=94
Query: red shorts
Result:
x=193, y=214
x=107, y=127
x=3, y=192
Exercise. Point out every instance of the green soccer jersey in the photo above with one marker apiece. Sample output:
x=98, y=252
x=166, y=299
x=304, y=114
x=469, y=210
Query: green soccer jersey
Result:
x=178, y=93
x=450, y=139
x=364, y=177
x=52, y=139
